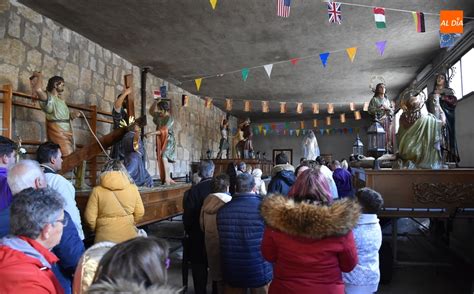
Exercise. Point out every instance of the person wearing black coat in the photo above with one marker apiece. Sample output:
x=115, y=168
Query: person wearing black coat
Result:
x=283, y=176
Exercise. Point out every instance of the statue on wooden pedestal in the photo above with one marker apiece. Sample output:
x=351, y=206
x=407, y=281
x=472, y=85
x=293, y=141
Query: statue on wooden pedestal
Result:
x=381, y=108
x=165, y=140
x=224, y=143
x=119, y=113
x=133, y=157
x=310, y=146
x=442, y=104
x=245, y=147
x=419, y=136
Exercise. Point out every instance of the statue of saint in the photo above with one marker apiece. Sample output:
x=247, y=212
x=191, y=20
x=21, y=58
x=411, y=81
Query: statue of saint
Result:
x=381, y=108
x=119, y=112
x=224, y=143
x=133, y=149
x=165, y=141
x=310, y=146
x=245, y=146
x=442, y=104
x=419, y=136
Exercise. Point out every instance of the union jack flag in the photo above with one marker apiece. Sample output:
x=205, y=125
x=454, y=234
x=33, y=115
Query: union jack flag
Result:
x=283, y=8
x=334, y=12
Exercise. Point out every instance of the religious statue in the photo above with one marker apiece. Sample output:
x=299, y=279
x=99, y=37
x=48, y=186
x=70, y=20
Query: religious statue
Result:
x=381, y=108
x=224, y=143
x=119, y=113
x=419, y=135
x=133, y=157
x=165, y=141
x=58, y=117
x=442, y=104
x=310, y=146
x=245, y=147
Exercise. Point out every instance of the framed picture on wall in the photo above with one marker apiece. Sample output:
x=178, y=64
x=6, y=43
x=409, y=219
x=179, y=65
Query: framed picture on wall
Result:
x=288, y=152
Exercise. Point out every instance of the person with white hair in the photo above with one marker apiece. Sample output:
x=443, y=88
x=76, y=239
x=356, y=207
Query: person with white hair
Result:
x=260, y=188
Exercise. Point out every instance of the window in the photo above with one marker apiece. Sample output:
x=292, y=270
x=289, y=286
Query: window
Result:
x=463, y=73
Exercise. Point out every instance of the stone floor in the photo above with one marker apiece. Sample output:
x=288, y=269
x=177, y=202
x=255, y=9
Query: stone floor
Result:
x=424, y=266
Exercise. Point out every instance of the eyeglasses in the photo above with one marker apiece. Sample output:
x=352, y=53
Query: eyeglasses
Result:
x=63, y=221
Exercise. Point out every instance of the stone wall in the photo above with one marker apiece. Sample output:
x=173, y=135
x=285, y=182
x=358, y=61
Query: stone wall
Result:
x=94, y=76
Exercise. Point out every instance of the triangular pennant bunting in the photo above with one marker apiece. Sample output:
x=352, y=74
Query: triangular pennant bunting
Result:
x=213, y=3
x=334, y=12
x=245, y=74
x=381, y=46
x=298, y=132
x=294, y=61
x=283, y=8
x=352, y=53
x=324, y=58
x=268, y=69
x=198, y=83
x=419, y=19
x=379, y=15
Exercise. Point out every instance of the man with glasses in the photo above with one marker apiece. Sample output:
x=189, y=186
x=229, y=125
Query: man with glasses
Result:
x=37, y=221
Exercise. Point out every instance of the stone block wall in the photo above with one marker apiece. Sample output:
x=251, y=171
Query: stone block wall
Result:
x=94, y=76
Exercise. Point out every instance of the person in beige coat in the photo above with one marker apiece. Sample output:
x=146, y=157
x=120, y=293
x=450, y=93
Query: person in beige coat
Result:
x=115, y=206
x=212, y=204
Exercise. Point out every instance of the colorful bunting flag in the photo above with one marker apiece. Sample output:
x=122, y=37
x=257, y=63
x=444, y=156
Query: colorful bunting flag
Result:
x=352, y=106
x=247, y=105
x=264, y=132
x=321, y=131
x=260, y=128
x=351, y=52
x=334, y=12
x=228, y=104
x=282, y=107
x=198, y=83
x=245, y=74
x=419, y=19
x=298, y=132
x=268, y=69
x=448, y=40
x=299, y=107
x=294, y=61
x=283, y=8
x=379, y=15
x=315, y=123
x=213, y=4
x=208, y=102
x=265, y=107
x=156, y=94
x=381, y=46
x=184, y=100
x=324, y=58
x=315, y=108
x=330, y=108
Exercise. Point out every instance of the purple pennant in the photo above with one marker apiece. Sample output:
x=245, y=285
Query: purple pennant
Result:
x=324, y=58
x=381, y=46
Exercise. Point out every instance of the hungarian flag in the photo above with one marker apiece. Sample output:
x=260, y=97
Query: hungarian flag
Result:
x=379, y=15
x=419, y=18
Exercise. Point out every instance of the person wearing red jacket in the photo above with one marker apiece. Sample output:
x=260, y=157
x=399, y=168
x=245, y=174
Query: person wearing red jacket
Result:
x=308, y=238
x=37, y=220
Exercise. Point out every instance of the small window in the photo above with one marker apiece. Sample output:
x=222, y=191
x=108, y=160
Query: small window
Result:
x=456, y=82
x=467, y=63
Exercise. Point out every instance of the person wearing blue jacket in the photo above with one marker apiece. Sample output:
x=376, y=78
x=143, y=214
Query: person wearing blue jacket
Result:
x=283, y=176
x=240, y=228
x=28, y=174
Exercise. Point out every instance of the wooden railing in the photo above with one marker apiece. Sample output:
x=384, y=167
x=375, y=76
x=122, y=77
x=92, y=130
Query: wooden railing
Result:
x=18, y=99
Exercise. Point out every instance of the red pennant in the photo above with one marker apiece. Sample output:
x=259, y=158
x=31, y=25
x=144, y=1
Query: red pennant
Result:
x=294, y=61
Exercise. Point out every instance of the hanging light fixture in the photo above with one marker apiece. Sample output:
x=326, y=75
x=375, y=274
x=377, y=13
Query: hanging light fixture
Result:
x=315, y=123
x=228, y=104
x=352, y=106
x=366, y=106
x=282, y=107
x=330, y=108
x=299, y=107
x=358, y=147
x=328, y=120
x=357, y=115
x=247, y=105
x=342, y=117
x=265, y=107
x=315, y=108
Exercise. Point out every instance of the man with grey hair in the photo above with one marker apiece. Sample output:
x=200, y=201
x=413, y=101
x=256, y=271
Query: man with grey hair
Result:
x=37, y=221
x=28, y=174
x=192, y=204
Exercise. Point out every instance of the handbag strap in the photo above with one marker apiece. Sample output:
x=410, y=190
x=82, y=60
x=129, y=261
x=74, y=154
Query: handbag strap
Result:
x=120, y=204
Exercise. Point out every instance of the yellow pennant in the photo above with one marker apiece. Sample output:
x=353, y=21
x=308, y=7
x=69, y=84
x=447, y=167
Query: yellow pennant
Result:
x=213, y=3
x=297, y=132
x=299, y=108
x=228, y=104
x=315, y=123
x=282, y=107
x=352, y=53
x=246, y=105
x=265, y=107
x=315, y=108
x=198, y=83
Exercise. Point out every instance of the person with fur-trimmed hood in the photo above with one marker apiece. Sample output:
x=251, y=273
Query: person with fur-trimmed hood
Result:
x=308, y=237
x=283, y=176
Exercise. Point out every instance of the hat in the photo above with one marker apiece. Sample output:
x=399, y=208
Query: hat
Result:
x=257, y=173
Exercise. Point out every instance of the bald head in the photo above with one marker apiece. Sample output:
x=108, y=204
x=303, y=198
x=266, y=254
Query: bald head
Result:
x=25, y=174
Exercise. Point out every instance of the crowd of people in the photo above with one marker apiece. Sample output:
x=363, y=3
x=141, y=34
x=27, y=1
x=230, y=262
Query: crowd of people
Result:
x=308, y=232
